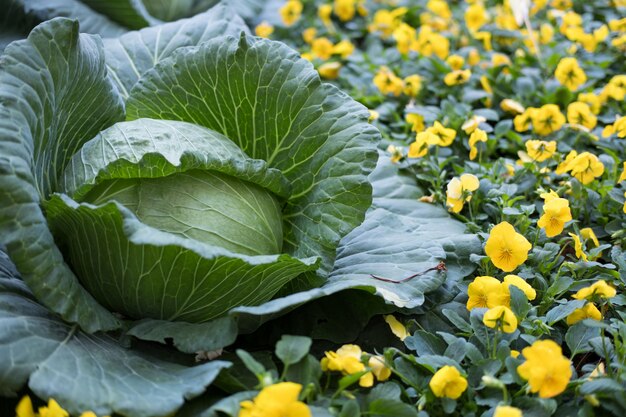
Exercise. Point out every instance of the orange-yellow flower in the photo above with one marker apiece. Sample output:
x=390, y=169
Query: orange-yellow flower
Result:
x=506, y=248
x=546, y=369
x=547, y=119
x=485, y=292
x=445, y=135
x=460, y=190
x=540, y=150
x=500, y=317
x=597, y=289
x=556, y=213
x=263, y=30
x=589, y=311
x=278, y=400
x=448, y=382
x=569, y=73
x=457, y=77
x=291, y=12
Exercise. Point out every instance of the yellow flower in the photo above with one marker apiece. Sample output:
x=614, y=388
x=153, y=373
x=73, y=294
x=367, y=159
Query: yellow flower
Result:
x=476, y=16
x=386, y=21
x=329, y=70
x=485, y=292
x=25, y=408
x=472, y=123
x=506, y=248
x=546, y=369
x=347, y=359
x=445, y=136
x=322, y=48
x=564, y=166
x=416, y=121
x=500, y=316
x=323, y=12
x=455, y=62
x=477, y=135
x=578, y=247
x=499, y=60
x=431, y=43
x=522, y=121
x=589, y=311
x=448, y=382
x=599, y=288
x=592, y=100
x=540, y=150
x=396, y=327
x=547, y=119
x=485, y=38
x=52, y=410
x=387, y=82
x=309, y=34
x=264, y=29
x=588, y=234
x=507, y=411
x=556, y=213
x=585, y=167
x=345, y=9
x=404, y=36
x=511, y=106
x=579, y=113
x=419, y=148
x=343, y=48
x=377, y=365
x=520, y=283
x=291, y=12
x=278, y=400
x=624, y=208
x=569, y=73
x=440, y=8
x=457, y=77
x=459, y=191
x=412, y=85
x=618, y=127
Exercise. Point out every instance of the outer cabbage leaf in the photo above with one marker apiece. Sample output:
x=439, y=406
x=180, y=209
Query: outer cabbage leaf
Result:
x=18, y=17
x=270, y=102
x=248, y=9
x=169, y=10
x=45, y=116
x=81, y=371
x=130, y=13
x=132, y=54
x=144, y=272
x=399, y=237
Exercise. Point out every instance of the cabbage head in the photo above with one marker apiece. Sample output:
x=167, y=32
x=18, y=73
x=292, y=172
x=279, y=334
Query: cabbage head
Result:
x=227, y=171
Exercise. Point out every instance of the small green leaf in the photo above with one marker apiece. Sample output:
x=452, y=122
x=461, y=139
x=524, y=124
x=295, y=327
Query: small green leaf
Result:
x=578, y=336
x=384, y=407
x=561, y=311
x=252, y=364
x=291, y=349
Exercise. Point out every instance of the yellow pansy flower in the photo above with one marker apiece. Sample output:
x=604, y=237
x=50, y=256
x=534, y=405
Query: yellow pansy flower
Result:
x=378, y=367
x=476, y=16
x=329, y=70
x=589, y=311
x=521, y=284
x=396, y=327
x=592, y=100
x=457, y=77
x=578, y=247
x=416, y=121
x=278, y=400
x=506, y=248
x=556, y=213
x=386, y=21
x=619, y=128
x=290, y=13
x=521, y=122
x=344, y=9
x=540, y=150
x=472, y=123
x=322, y=48
x=455, y=62
x=485, y=38
x=507, y=411
x=448, y=382
x=396, y=153
x=404, y=36
x=599, y=288
x=419, y=147
x=512, y=106
x=588, y=234
x=345, y=48
x=579, y=113
x=477, y=135
x=388, y=82
x=569, y=73
x=323, y=12
x=459, y=191
x=500, y=317
x=546, y=369
x=412, y=85
x=308, y=35
x=445, y=136
x=485, y=292
x=585, y=167
x=263, y=30
x=547, y=119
